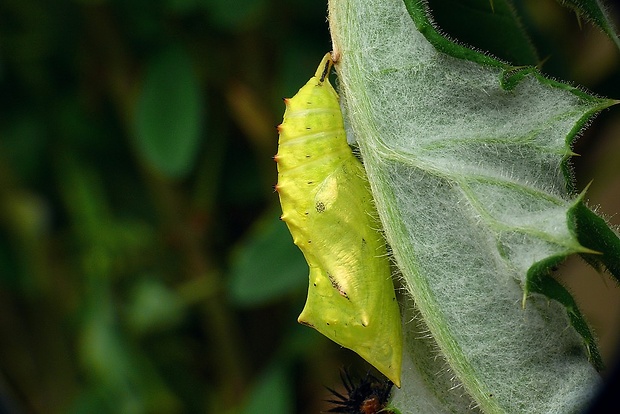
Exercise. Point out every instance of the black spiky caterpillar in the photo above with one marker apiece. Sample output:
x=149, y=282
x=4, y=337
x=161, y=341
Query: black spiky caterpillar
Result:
x=369, y=395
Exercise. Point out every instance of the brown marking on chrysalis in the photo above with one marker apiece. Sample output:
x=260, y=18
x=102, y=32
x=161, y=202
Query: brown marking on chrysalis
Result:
x=305, y=323
x=328, y=66
x=337, y=286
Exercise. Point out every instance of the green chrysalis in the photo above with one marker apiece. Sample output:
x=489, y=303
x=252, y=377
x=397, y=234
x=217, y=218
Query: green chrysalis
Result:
x=329, y=209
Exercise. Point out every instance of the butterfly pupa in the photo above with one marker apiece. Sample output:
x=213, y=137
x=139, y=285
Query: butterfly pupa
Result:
x=329, y=209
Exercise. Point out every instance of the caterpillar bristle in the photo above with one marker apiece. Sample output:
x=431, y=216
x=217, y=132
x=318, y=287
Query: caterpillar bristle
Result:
x=368, y=395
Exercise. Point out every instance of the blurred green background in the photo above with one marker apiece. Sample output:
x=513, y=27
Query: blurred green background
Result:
x=143, y=268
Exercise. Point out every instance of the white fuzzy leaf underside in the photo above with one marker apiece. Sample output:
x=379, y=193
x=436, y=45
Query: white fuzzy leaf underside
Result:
x=467, y=181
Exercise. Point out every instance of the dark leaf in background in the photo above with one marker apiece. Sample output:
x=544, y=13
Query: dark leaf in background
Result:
x=267, y=266
x=595, y=11
x=498, y=29
x=273, y=392
x=169, y=114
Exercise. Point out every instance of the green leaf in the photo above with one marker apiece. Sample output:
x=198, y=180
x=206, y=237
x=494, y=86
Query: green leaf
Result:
x=425, y=26
x=467, y=159
x=593, y=232
x=169, y=114
x=273, y=393
x=153, y=307
x=267, y=265
x=594, y=11
x=497, y=27
x=539, y=280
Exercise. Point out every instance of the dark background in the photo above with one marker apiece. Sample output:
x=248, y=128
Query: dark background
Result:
x=143, y=268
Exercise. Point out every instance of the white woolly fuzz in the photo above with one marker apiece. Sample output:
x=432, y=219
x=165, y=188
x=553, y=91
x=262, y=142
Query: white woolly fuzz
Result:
x=467, y=180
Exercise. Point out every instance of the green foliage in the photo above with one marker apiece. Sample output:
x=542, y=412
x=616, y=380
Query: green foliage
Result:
x=135, y=146
x=593, y=231
x=273, y=393
x=594, y=10
x=143, y=268
x=254, y=279
x=498, y=28
x=169, y=114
